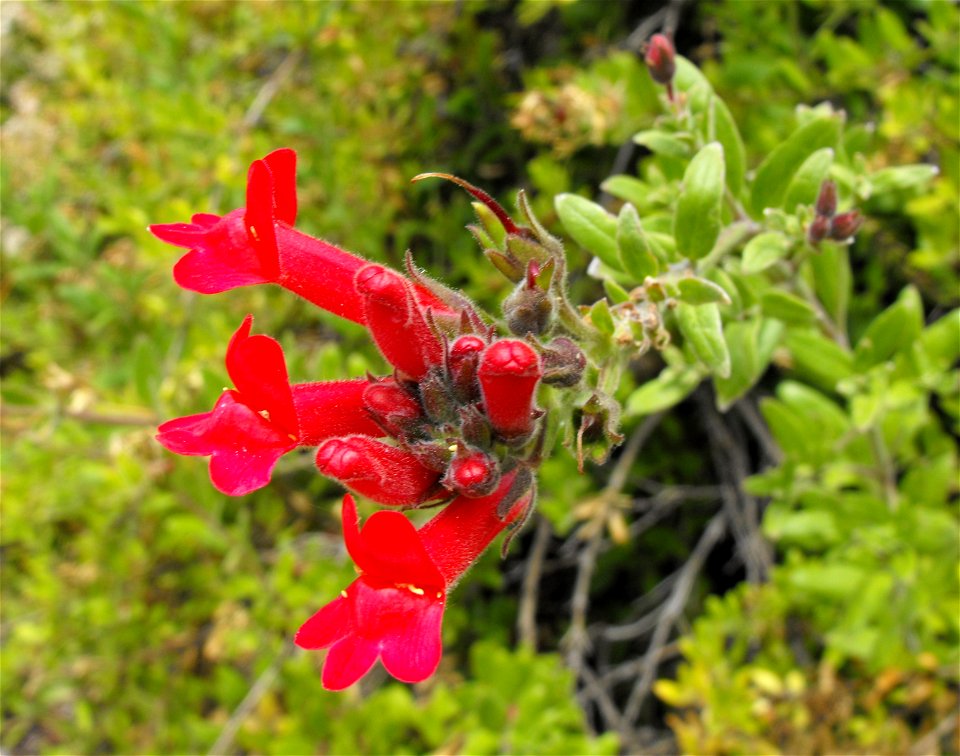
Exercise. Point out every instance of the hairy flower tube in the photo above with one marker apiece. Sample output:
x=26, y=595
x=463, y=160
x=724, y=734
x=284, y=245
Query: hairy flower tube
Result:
x=264, y=417
x=394, y=610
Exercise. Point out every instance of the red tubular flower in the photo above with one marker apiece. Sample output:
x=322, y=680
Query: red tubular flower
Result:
x=387, y=474
x=397, y=321
x=252, y=426
x=509, y=372
x=394, y=610
x=257, y=244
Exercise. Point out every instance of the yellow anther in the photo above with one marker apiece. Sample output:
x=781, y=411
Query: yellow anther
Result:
x=253, y=233
x=343, y=593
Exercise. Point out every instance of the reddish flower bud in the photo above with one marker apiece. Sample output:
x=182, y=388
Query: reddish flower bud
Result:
x=818, y=229
x=392, y=407
x=845, y=225
x=384, y=473
x=462, y=360
x=397, y=322
x=660, y=59
x=827, y=199
x=472, y=473
x=509, y=373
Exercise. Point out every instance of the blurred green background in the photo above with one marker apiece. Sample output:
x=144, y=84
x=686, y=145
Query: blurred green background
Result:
x=145, y=612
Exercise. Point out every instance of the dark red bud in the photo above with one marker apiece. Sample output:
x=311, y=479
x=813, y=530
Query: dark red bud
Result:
x=397, y=321
x=472, y=473
x=509, y=373
x=827, y=199
x=563, y=363
x=818, y=229
x=386, y=474
x=462, y=361
x=392, y=407
x=660, y=59
x=845, y=225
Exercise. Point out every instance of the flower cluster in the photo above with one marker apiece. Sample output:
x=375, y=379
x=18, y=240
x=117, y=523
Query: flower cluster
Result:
x=827, y=223
x=455, y=423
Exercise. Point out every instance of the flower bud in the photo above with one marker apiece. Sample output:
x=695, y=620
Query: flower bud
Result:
x=438, y=402
x=397, y=322
x=392, y=407
x=462, y=360
x=563, y=363
x=818, y=229
x=845, y=225
x=527, y=310
x=472, y=473
x=827, y=199
x=387, y=474
x=509, y=373
x=660, y=59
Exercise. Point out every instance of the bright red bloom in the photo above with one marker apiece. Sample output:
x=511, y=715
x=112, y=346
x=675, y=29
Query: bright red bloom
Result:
x=387, y=474
x=394, y=610
x=257, y=244
x=509, y=372
x=264, y=417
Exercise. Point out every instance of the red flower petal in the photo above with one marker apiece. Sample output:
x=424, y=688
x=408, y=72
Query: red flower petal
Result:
x=388, y=548
x=347, y=662
x=283, y=167
x=332, y=623
x=413, y=653
x=257, y=367
x=243, y=446
x=259, y=216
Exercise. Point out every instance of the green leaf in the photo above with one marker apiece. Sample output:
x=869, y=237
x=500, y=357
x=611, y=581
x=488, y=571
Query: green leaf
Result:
x=616, y=293
x=775, y=173
x=812, y=530
x=627, y=188
x=671, y=387
x=893, y=329
x=902, y=178
x=832, y=280
x=751, y=344
x=636, y=252
x=697, y=291
x=703, y=331
x=592, y=227
x=805, y=185
x=697, y=221
x=601, y=318
x=764, y=250
x=791, y=430
x=663, y=143
x=941, y=339
x=779, y=304
x=817, y=358
x=725, y=131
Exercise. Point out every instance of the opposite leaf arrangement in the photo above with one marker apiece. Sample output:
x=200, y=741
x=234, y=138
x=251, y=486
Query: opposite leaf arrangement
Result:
x=456, y=423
